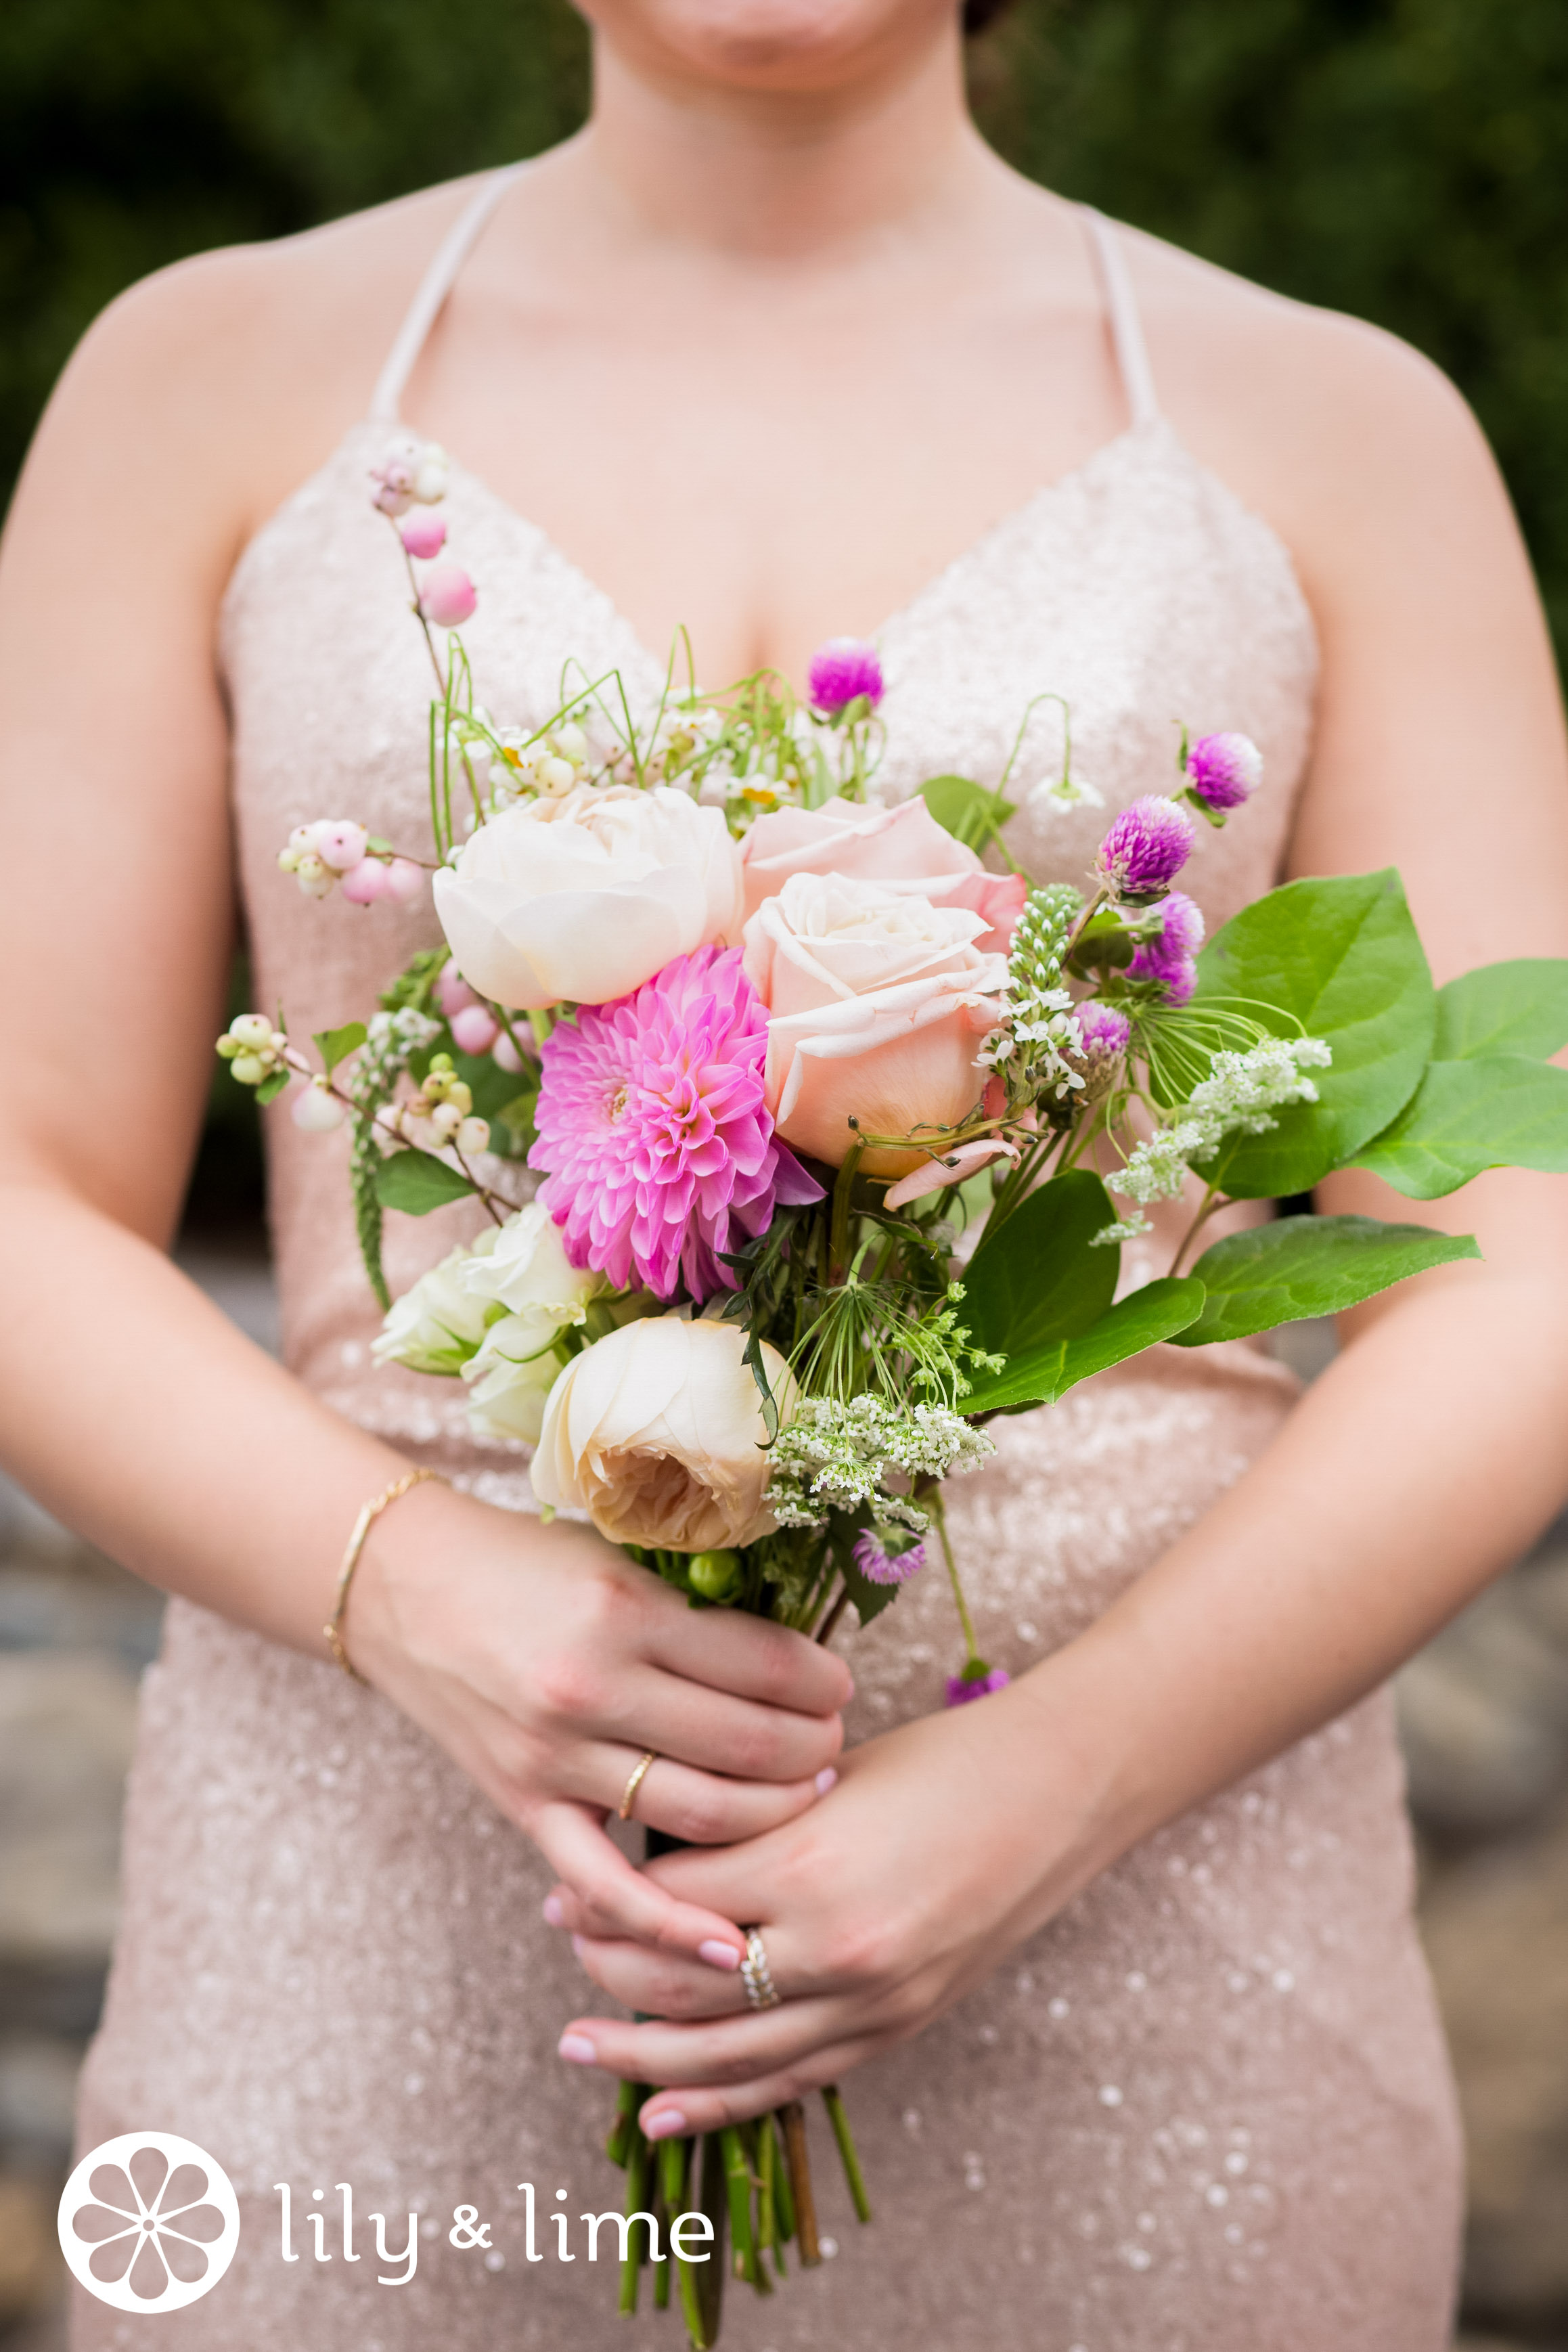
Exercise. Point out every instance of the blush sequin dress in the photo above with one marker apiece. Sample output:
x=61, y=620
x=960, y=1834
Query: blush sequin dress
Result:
x=1207, y=2109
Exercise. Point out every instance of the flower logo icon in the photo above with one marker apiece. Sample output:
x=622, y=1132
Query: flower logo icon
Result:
x=149, y=2222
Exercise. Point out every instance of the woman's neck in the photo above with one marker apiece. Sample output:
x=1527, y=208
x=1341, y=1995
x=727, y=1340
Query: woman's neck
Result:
x=764, y=176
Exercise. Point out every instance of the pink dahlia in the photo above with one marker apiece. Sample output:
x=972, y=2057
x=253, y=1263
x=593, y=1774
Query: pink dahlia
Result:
x=651, y=1123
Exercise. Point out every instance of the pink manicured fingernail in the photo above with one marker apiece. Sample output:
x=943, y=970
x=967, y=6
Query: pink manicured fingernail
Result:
x=826, y=1778
x=665, y=2124
x=552, y=1909
x=718, y=1955
x=578, y=2048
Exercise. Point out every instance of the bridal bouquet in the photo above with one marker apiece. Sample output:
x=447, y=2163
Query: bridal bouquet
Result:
x=840, y=1130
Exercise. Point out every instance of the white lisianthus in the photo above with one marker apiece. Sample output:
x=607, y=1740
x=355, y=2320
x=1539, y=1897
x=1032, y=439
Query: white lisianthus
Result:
x=510, y=1379
x=522, y=1273
x=437, y=1324
x=657, y=1433
x=583, y=897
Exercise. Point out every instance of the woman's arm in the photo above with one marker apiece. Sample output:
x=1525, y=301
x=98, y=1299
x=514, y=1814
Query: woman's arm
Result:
x=1426, y=1459
x=540, y=1658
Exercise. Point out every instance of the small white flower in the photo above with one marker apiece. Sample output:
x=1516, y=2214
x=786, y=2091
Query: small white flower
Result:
x=1129, y=1229
x=437, y=1326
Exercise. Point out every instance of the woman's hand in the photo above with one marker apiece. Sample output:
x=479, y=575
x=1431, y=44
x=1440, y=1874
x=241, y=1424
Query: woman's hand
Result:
x=936, y=1854
x=547, y=1662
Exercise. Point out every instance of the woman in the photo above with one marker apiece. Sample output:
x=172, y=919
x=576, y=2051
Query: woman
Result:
x=776, y=348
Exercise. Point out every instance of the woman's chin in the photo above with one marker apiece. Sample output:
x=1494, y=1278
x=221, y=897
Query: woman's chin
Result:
x=770, y=44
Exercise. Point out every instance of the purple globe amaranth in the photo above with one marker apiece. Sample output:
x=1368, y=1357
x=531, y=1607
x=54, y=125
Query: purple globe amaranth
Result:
x=1223, y=771
x=977, y=1681
x=1104, y=1029
x=841, y=671
x=880, y=1566
x=1170, y=956
x=652, y=1126
x=1146, y=848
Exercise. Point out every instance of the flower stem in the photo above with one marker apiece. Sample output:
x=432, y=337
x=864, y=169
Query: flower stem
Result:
x=792, y=2118
x=934, y=1503
x=1212, y=1200
x=849, y=2156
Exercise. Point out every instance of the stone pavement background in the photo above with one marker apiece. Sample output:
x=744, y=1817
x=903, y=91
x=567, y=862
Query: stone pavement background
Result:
x=1484, y=1713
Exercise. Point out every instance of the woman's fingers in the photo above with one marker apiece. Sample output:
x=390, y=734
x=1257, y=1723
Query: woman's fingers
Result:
x=698, y=1808
x=691, y=2110
x=725, y=2072
x=658, y=1984
x=713, y=1731
x=573, y=1840
x=713, y=2053
x=730, y=1651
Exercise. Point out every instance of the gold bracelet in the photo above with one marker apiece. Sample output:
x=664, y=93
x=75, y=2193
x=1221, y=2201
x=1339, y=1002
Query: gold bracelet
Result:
x=333, y=1628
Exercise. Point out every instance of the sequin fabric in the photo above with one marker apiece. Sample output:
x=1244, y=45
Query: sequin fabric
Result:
x=1207, y=2109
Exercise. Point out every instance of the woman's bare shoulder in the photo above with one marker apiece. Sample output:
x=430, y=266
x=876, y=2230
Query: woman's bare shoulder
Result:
x=230, y=376
x=1334, y=430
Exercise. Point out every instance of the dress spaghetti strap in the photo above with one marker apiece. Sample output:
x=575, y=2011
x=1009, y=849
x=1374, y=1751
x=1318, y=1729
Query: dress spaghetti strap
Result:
x=1122, y=309
x=435, y=288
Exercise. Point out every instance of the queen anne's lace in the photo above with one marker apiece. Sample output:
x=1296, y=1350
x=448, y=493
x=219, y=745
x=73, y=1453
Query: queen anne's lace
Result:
x=836, y=1457
x=1238, y=1097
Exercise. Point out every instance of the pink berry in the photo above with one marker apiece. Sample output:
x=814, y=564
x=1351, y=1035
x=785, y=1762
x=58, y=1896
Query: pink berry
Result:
x=424, y=535
x=403, y=880
x=506, y=1057
x=447, y=595
x=341, y=845
x=453, y=992
x=365, y=883
x=475, y=1029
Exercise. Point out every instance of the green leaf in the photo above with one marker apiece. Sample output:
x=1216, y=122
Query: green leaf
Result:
x=1504, y=1008
x=971, y=813
x=1499, y=1111
x=1036, y=1279
x=335, y=1045
x=271, y=1086
x=416, y=1182
x=1307, y=1266
x=516, y=1119
x=1341, y=956
x=1141, y=1320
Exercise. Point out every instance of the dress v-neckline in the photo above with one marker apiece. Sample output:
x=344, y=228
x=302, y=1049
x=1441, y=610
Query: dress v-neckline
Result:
x=973, y=551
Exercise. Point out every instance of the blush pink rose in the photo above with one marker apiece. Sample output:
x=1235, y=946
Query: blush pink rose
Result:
x=902, y=848
x=877, y=1003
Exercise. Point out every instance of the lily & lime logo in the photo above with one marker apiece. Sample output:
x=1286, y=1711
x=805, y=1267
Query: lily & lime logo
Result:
x=149, y=2222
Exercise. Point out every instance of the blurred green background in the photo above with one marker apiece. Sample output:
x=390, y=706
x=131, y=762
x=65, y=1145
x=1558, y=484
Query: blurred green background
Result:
x=1399, y=158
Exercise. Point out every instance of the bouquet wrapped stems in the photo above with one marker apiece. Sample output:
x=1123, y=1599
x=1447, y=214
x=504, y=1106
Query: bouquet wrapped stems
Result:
x=752, y=2180
x=753, y=2183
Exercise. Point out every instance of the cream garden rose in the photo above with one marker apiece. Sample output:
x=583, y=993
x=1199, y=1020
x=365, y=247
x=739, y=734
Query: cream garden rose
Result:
x=878, y=1002
x=657, y=1433
x=902, y=848
x=583, y=897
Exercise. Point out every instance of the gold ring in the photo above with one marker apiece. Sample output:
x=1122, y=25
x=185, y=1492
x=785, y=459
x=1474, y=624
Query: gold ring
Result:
x=756, y=1976
x=639, y=1774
